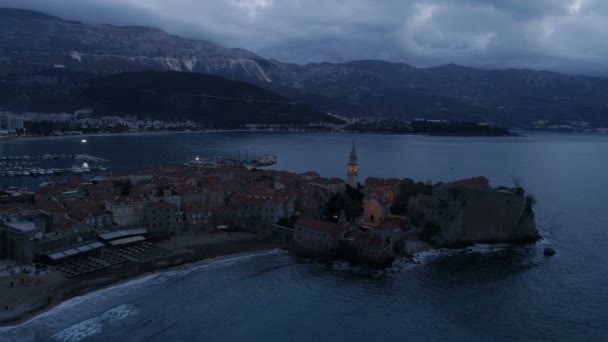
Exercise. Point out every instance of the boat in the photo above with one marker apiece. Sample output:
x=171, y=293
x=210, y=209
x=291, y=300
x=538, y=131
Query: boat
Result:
x=90, y=159
x=47, y=156
x=77, y=169
x=266, y=160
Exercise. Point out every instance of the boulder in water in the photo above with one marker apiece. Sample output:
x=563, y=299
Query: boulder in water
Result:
x=549, y=251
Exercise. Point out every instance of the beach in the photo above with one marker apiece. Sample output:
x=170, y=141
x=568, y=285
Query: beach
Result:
x=26, y=299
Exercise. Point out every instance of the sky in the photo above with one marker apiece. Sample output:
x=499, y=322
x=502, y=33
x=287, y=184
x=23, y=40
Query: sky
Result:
x=561, y=35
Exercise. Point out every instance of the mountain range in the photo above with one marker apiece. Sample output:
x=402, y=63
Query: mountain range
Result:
x=170, y=95
x=514, y=97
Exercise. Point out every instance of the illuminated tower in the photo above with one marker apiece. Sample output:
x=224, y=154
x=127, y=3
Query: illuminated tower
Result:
x=352, y=173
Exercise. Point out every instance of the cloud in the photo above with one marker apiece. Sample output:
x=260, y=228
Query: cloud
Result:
x=556, y=34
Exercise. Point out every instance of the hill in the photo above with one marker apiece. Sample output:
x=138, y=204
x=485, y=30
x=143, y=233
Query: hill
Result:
x=205, y=99
x=30, y=40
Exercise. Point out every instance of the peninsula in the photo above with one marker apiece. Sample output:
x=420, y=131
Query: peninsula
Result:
x=84, y=233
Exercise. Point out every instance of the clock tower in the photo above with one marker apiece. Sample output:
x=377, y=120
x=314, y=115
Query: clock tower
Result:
x=352, y=174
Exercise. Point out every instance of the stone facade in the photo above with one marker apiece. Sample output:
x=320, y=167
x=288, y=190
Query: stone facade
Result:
x=317, y=236
x=163, y=218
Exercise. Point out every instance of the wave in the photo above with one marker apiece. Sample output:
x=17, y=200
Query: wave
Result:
x=95, y=325
x=150, y=279
x=434, y=255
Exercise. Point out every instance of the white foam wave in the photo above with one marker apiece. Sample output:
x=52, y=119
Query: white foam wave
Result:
x=210, y=264
x=426, y=257
x=95, y=325
x=153, y=278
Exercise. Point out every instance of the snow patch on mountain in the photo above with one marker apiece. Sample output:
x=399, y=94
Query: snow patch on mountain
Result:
x=190, y=63
x=169, y=63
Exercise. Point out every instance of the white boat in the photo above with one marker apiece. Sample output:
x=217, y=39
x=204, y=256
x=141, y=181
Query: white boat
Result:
x=267, y=160
x=77, y=169
x=47, y=156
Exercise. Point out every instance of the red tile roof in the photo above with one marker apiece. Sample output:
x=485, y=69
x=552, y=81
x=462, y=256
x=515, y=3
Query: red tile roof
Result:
x=471, y=183
x=224, y=209
x=326, y=181
x=261, y=191
x=311, y=174
x=322, y=226
x=381, y=182
x=240, y=199
x=161, y=205
x=64, y=224
x=192, y=207
x=82, y=213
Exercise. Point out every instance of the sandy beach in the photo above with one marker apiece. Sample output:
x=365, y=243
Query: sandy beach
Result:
x=31, y=295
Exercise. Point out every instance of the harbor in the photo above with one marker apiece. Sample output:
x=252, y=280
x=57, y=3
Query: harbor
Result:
x=247, y=156
x=49, y=165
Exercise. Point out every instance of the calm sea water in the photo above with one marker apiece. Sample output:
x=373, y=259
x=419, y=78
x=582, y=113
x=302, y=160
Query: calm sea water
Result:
x=484, y=293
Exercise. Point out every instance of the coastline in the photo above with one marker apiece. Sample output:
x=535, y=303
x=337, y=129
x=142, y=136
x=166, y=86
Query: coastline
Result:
x=27, y=138
x=68, y=289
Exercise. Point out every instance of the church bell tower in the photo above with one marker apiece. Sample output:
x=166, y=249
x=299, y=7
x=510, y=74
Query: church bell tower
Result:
x=352, y=174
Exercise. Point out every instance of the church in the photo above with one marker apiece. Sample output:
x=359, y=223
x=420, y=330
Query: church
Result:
x=352, y=173
x=379, y=193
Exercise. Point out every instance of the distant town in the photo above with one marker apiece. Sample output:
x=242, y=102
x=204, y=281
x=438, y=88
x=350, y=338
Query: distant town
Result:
x=82, y=122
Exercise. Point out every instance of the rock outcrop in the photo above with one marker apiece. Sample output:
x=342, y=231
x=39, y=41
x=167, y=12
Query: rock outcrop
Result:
x=465, y=216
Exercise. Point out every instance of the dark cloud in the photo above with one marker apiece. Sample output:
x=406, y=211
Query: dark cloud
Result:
x=556, y=34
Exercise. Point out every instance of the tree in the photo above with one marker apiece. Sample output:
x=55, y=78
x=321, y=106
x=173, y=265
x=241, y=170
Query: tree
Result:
x=407, y=189
x=351, y=201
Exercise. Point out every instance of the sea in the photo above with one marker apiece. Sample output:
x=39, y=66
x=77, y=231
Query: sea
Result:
x=479, y=293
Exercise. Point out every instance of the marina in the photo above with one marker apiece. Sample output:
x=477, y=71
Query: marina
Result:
x=40, y=165
x=253, y=162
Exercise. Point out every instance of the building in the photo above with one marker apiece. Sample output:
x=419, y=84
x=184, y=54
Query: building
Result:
x=352, y=173
x=375, y=208
x=196, y=217
x=10, y=123
x=386, y=187
x=331, y=185
x=17, y=240
x=127, y=211
x=318, y=236
x=163, y=218
x=475, y=183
